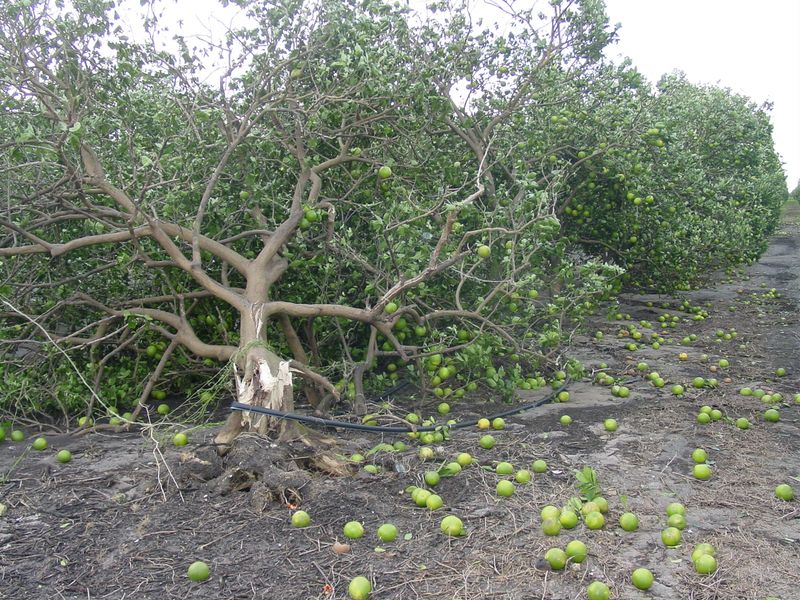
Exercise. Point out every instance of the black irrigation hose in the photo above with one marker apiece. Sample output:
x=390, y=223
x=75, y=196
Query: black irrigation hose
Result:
x=385, y=429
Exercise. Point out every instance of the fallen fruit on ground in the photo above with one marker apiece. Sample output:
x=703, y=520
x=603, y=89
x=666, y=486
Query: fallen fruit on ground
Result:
x=17, y=436
x=784, y=492
x=550, y=512
x=598, y=590
x=504, y=488
x=301, y=518
x=568, y=519
x=678, y=521
x=610, y=424
x=539, y=466
x=772, y=416
x=64, y=456
x=39, y=443
x=487, y=442
x=504, y=468
x=198, y=571
x=353, y=530
x=387, y=532
x=675, y=508
x=464, y=459
x=594, y=520
x=565, y=420
x=576, y=550
x=163, y=409
x=451, y=525
x=432, y=478
x=484, y=423
x=642, y=579
x=742, y=423
x=701, y=549
x=434, y=502
x=360, y=588
x=498, y=424
x=702, y=472
x=699, y=455
x=523, y=476
x=180, y=439
x=629, y=521
x=602, y=504
x=557, y=558
x=671, y=536
x=551, y=527
x=705, y=564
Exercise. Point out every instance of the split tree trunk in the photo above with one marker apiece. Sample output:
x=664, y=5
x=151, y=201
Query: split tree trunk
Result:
x=262, y=379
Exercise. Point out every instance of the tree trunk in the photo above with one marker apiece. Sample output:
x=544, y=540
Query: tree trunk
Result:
x=262, y=379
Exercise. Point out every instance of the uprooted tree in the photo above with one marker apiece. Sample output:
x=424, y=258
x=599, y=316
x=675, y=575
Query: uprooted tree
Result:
x=338, y=189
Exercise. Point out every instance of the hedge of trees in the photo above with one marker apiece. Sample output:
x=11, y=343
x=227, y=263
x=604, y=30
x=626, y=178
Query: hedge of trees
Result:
x=359, y=194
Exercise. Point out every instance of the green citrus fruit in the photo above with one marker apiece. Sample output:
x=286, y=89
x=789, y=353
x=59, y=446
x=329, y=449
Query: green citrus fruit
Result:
x=360, y=588
x=198, y=571
x=598, y=590
x=602, y=504
x=504, y=468
x=464, y=459
x=64, y=456
x=742, y=423
x=487, y=442
x=678, y=521
x=784, y=492
x=180, y=439
x=701, y=549
x=432, y=478
x=387, y=532
x=498, y=423
x=671, y=536
x=39, y=443
x=705, y=564
x=557, y=558
x=576, y=550
x=484, y=251
x=163, y=409
x=539, y=466
x=565, y=420
x=594, y=520
x=550, y=512
x=699, y=455
x=675, y=508
x=772, y=416
x=702, y=472
x=301, y=518
x=17, y=435
x=642, y=579
x=610, y=424
x=452, y=526
x=629, y=521
x=434, y=502
x=523, y=476
x=551, y=527
x=353, y=530
x=504, y=488
x=568, y=519
x=703, y=418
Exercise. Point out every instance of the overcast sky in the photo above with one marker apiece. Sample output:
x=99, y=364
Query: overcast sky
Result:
x=750, y=46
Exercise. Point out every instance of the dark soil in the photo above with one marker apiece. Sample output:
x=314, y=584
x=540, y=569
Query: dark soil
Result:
x=126, y=517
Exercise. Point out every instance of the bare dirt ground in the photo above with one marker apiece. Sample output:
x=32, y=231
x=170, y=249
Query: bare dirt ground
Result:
x=123, y=520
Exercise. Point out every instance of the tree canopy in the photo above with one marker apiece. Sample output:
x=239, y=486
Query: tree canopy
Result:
x=362, y=192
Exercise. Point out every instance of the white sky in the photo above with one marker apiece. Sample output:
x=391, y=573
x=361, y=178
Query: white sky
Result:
x=752, y=47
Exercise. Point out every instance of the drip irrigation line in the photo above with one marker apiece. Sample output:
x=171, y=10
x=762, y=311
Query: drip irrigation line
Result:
x=311, y=420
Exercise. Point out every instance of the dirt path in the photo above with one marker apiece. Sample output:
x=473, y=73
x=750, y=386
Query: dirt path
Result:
x=112, y=523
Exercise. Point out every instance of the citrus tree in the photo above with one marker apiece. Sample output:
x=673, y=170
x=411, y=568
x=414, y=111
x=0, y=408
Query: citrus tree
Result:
x=354, y=191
